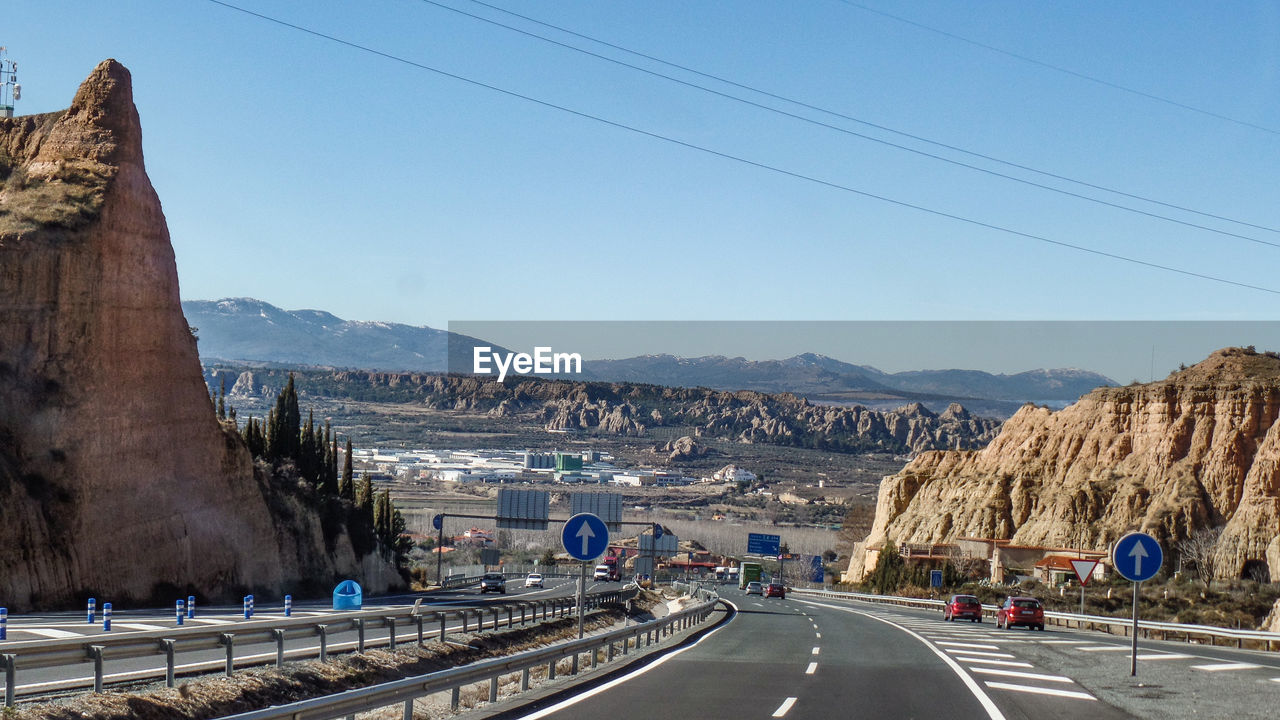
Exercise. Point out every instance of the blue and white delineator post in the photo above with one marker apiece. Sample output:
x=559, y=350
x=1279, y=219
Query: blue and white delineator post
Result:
x=4, y=623
x=288, y=605
x=106, y=617
x=246, y=607
x=92, y=611
x=251, y=606
x=179, y=609
x=191, y=606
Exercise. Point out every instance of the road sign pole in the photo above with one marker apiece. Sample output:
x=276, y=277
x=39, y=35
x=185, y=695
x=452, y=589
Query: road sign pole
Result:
x=1081, y=598
x=440, y=551
x=582, y=596
x=1133, y=665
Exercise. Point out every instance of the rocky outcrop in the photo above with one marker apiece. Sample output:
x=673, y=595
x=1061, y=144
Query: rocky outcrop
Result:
x=684, y=449
x=116, y=479
x=1199, y=449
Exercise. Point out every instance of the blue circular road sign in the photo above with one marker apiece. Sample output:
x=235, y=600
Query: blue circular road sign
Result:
x=585, y=536
x=1137, y=557
x=437, y=522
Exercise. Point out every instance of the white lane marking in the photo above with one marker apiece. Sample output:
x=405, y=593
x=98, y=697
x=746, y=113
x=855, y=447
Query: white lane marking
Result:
x=983, y=699
x=619, y=680
x=1065, y=642
x=1275, y=680
x=1164, y=656
x=989, y=661
x=815, y=650
x=139, y=626
x=979, y=653
x=216, y=621
x=1103, y=648
x=47, y=632
x=784, y=707
x=1039, y=690
x=1025, y=675
x=812, y=667
x=979, y=646
x=1225, y=666
x=818, y=635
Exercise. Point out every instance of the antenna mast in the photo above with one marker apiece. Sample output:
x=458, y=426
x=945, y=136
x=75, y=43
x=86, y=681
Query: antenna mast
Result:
x=10, y=90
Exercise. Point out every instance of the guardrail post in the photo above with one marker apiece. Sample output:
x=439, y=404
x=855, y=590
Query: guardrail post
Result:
x=391, y=630
x=408, y=710
x=229, y=639
x=573, y=670
x=595, y=658
x=493, y=689
x=455, y=698
x=10, y=678
x=95, y=653
x=522, y=613
x=444, y=619
x=465, y=614
x=419, y=619
x=612, y=650
x=510, y=619
x=359, y=623
x=167, y=644
x=323, y=631
x=551, y=670
x=524, y=680
x=495, y=619
x=278, y=634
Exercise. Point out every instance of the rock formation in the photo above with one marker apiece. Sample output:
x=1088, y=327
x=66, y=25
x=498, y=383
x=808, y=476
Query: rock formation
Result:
x=116, y=479
x=684, y=449
x=1198, y=449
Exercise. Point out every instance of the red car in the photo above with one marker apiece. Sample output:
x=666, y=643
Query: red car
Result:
x=777, y=590
x=1020, y=611
x=963, y=607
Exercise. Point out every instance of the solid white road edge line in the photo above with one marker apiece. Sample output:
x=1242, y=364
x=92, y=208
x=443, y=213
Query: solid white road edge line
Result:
x=983, y=699
x=784, y=707
x=568, y=702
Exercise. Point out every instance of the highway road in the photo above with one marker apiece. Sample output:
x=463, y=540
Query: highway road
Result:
x=69, y=624
x=802, y=658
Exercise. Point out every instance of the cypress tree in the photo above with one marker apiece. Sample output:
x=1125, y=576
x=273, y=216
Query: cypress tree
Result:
x=307, y=451
x=345, y=489
x=222, y=401
x=382, y=523
x=291, y=421
x=271, y=437
x=364, y=497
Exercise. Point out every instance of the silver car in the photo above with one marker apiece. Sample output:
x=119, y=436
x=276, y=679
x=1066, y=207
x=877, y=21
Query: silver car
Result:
x=755, y=588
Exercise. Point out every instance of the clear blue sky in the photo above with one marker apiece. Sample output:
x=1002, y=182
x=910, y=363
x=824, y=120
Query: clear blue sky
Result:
x=310, y=174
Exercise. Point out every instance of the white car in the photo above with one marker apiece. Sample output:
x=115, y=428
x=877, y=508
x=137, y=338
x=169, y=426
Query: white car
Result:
x=533, y=580
x=755, y=588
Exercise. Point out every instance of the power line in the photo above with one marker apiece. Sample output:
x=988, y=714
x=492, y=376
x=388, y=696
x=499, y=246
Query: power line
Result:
x=867, y=123
x=1065, y=71
x=741, y=160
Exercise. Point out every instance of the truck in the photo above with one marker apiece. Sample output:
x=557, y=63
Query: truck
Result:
x=748, y=573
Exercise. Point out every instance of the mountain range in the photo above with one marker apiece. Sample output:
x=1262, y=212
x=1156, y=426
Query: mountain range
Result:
x=253, y=331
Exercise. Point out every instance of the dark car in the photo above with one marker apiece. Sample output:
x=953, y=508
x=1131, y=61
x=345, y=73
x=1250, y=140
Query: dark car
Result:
x=1020, y=611
x=963, y=607
x=493, y=582
x=777, y=590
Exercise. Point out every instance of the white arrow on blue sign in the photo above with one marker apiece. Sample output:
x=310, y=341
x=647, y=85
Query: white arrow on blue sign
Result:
x=585, y=536
x=1137, y=557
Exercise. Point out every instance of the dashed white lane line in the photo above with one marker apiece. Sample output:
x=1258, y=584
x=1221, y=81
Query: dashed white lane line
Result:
x=1164, y=656
x=138, y=626
x=979, y=646
x=815, y=650
x=818, y=635
x=1103, y=648
x=989, y=661
x=1024, y=675
x=813, y=666
x=784, y=707
x=978, y=653
x=1217, y=667
x=1065, y=642
x=1039, y=690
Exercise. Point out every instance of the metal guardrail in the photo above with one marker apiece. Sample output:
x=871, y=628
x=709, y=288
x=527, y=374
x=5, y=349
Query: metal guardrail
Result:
x=404, y=692
x=170, y=641
x=1148, y=629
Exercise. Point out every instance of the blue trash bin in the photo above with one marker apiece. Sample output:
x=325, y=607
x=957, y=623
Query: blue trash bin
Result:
x=348, y=596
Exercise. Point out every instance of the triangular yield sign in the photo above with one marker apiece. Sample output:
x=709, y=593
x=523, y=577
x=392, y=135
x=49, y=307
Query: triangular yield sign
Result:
x=1084, y=569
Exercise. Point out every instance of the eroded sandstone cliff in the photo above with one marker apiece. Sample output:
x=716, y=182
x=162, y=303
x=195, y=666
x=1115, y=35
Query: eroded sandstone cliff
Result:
x=116, y=479
x=1198, y=449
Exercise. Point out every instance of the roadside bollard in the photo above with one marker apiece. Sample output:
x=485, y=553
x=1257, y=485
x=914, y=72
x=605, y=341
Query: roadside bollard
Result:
x=4, y=623
x=93, y=603
x=191, y=606
x=179, y=609
x=106, y=617
x=250, y=606
x=246, y=607
x=288, y=605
